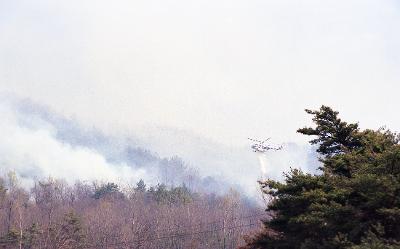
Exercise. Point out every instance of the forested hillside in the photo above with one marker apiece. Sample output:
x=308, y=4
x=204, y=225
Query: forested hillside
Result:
x=77, y=149
x=54, y=214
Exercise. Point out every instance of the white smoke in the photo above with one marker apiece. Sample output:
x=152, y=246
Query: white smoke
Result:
x=239, y=165
x=29, y=148
x=170, y=66
x=37, y=144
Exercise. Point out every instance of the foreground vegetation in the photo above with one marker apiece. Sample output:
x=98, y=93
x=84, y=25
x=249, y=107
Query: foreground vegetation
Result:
x=56, y=215
x=353, y=203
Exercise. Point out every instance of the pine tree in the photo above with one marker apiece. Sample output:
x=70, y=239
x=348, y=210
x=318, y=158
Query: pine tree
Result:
x=69, y=234
x=140, y=186
x=353, y=203
x=107, y=190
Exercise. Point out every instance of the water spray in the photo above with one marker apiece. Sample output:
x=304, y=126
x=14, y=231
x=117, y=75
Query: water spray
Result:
x=263, y=164
x=261, y=148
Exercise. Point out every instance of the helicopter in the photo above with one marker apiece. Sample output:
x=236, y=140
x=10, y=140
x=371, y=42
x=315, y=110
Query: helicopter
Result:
x=260, y=146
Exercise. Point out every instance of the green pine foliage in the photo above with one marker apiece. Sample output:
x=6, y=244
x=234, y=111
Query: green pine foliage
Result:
x=72, y=235
x=174, y=195
x=353, y=203
x=10, y=240
x=107, y=190
x=30, y=236
x=140, y=186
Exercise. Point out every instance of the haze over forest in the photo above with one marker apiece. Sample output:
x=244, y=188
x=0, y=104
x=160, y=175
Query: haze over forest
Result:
x=105, y=105
x=194, y=80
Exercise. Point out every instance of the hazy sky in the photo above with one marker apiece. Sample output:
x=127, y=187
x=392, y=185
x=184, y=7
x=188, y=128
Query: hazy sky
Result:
x=224, y=69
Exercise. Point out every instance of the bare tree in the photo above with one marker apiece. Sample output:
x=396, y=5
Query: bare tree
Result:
x=86, y=215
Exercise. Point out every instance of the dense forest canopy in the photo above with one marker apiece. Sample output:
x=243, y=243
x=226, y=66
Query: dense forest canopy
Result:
x=354, y=202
